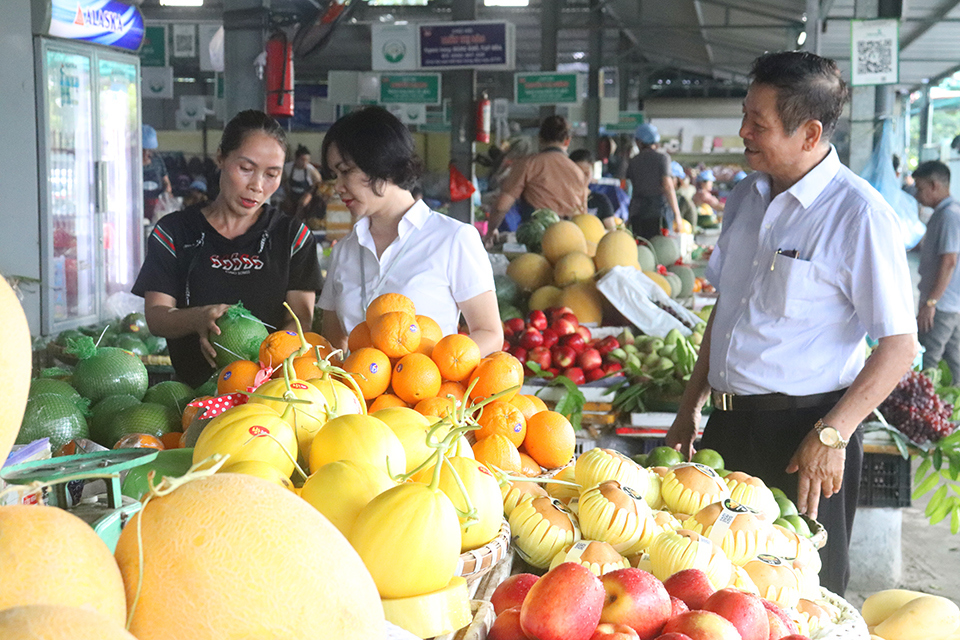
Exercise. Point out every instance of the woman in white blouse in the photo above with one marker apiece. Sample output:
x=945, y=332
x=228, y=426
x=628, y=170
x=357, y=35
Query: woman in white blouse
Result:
x=398, y=244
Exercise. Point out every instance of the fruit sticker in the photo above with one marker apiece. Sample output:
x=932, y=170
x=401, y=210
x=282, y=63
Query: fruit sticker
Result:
x=773, y=561
x=374, y=367
x=298, y=385
x=631, y=492
x=257, y=430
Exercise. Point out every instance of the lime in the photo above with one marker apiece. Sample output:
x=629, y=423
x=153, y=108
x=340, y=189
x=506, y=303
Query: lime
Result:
x=723, y=473
x=50, y=415
x=640, y=459
x=240, y=336
x=708, y=457
x=664, y=457
x=799, y=525
x=148, y=417
x=170, y=393
x=103, y=413
x=787, y=508
x=783, y=522
x=778, y=493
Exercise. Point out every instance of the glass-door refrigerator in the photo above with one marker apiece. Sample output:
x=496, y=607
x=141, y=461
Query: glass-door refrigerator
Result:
x=91, y=203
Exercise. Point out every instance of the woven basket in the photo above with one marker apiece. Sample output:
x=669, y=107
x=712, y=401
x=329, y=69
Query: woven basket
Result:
x=851, y=625
x=473, y=564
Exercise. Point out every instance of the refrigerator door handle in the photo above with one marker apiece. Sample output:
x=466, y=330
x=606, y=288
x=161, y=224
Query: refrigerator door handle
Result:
x=101, y=187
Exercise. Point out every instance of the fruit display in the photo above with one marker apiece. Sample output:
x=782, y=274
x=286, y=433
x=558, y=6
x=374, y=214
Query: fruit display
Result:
x=657, y=369
x=899, y=614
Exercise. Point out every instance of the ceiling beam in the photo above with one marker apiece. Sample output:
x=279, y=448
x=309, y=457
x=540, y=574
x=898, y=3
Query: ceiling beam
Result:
x=746, y=8
x=929, y=22
x=698, y=9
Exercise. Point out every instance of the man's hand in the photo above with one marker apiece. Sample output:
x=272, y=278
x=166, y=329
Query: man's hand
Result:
x=821, y=471
x=206, y=322
x=490, y=239
x=683, y=432
x=925, y=318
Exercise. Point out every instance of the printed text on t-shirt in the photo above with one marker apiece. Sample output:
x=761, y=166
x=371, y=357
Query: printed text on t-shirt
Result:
x=237, y=263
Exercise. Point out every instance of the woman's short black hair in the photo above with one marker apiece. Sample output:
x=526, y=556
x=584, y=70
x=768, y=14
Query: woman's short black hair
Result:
x=247, y=122
x=378, y=143
x=301, y=151
x=554, y=129
x=581, y=155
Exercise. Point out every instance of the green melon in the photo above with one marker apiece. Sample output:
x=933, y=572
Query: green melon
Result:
x=147, y=417
x=508, y=312
x=686, y=278
x=530, y=233
x=508, y=292
x=171, y=394
x=107, y=371
x=675, y=284
x=240, y=336
x=646, y=258
x=667, y=249
x=130, y=342
x=102, y=415
x=51, y=385
x=50, y=415
x=546, y=217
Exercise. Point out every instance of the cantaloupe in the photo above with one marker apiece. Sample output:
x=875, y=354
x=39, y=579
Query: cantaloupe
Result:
x=49, y=556
x=562, y=238
x=660, y=280
x=16, y=359
x=616, y=249
x=591, y=226
x=544, y=298
x=573, y=267
x=530, y=271
x=57, y=622
x=585, y=301
x=233, y=556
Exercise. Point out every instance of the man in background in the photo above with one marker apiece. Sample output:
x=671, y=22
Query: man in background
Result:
x=653, y=204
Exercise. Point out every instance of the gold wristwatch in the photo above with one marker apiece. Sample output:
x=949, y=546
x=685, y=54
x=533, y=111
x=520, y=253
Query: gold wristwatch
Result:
x=931, y=302
x=829, y=436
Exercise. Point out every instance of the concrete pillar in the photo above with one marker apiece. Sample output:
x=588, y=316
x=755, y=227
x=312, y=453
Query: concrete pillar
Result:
x=862, y=105
x=814, y=24
x=244, y=25
x=549, y=31
x=595, y=58
x=926, y=121
x=884, y=104
x=460, y=85
x=624, y=69
x=876, y=560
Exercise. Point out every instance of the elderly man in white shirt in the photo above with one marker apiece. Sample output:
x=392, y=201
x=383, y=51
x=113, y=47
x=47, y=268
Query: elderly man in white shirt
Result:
x=809, y=262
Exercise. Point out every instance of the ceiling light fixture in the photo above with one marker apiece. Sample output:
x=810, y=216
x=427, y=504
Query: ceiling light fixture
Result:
x=181, y=3
x=506, y=3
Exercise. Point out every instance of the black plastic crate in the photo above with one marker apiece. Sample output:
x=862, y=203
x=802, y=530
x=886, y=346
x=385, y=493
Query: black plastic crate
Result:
x=884, y=481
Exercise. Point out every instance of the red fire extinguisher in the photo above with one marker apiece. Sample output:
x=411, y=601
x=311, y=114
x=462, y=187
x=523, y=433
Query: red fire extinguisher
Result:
x=279, y=76
x=484, y=116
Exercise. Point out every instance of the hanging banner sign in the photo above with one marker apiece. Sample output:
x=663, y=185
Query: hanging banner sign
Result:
x=546, y=88
x=629, y=121
x=410, y=88
x=874, y=52
x=468, y=45
x=107, y=22
x=393, y=47
x=153, y=53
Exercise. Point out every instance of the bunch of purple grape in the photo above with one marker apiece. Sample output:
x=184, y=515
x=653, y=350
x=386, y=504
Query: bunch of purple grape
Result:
x=916, y=410
x=673, y=313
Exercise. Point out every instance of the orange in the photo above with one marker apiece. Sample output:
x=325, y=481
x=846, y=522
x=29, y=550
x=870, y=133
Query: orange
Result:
x=389, y=302
x=456, y=356
x=537, y=402
x=236, y=376
x=496, y=374
x=277, y=347
x=359, y=337
x=503, y=418
x=139, y=441
x=188, y=414
x=371, y=369
x=526, y=406
x=385, y=401
x=416, y=377
x=438, y=407
x=454, y=389
x=497, y=451
x=529, y=466
x=395, y=333
x=318, y=340
x=171, y=440
x=509, y=359
x=550, y=439
x=430, y=332
x=304, y=367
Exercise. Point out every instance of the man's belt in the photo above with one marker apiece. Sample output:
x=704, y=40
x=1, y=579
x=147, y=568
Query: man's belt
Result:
x=772, y=401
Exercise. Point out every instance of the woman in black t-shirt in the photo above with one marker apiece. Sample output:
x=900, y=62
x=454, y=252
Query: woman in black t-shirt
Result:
x=234, y=249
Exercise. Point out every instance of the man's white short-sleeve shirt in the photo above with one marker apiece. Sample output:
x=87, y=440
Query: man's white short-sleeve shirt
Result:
x=802, y=279
x=435, y=261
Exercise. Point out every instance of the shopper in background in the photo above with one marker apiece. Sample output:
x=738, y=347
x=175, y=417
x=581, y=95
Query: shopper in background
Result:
x=704, y=194
x=653, y=204
x=685, y=193
x=810, y=261
x=597, y=203
x=939, y=317
x=235, y=249
x=298, y=178
x=196, y=194
x=398, y=244
x=155, y=178
x=547, y=180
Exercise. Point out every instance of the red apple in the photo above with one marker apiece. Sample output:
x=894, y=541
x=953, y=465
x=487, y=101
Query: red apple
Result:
x=555, y=313
x=608, y=631
x=530, y=338
x=540, y=355
x=611, y=368
x=547, y=612
x=690, y=585
x=594, y=375
x=590, y=359
x=637, y=599
x=563, y=356
x=553, y=371
x=743, y=609
x=575, y=341
x=674, y=636
x=702, y=625
x=515, y=325
x=564, y=327
x=519, y=353
x=786, y=623
x=608, y=344
x=575, y=374
x=505, y=347
x=550, y=338
x=512, y=591
x=572, y=317
x=507, y=626
x=677, y=606
x=537, y=319
x=584, y=333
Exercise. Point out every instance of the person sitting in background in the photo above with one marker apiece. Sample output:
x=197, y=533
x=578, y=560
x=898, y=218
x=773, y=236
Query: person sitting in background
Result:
x=196, y=194
x=704, y=194
x=298, y=177
x=688, y=211
x=597, y=203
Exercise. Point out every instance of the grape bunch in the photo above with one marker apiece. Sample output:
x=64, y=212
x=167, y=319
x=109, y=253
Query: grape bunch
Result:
x=916, y=410
x=673, y=313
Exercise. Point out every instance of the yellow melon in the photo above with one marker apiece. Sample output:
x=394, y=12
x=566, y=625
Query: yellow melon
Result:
x=562, y=238
x=233, y=556
x=544, y=298
x=660, y=280
x=49, y=556
x=591, y=226
x=530, y=271
x=616, y=249
x=16, y=359
x=585, y=300
x=57, y=622
x=591, y=249
x=573, y=267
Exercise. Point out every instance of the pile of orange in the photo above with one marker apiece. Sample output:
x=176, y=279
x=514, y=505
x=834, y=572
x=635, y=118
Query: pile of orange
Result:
x=523, y=437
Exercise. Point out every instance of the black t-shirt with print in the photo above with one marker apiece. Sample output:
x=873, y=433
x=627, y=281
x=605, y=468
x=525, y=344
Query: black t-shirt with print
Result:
x=189, y=260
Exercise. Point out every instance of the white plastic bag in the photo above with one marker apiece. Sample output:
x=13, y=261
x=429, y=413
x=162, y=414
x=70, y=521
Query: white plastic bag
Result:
x=166, y=204
x=644, y=303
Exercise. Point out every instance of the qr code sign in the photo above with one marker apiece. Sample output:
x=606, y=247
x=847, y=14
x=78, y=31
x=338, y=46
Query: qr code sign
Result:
x=875, y=56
